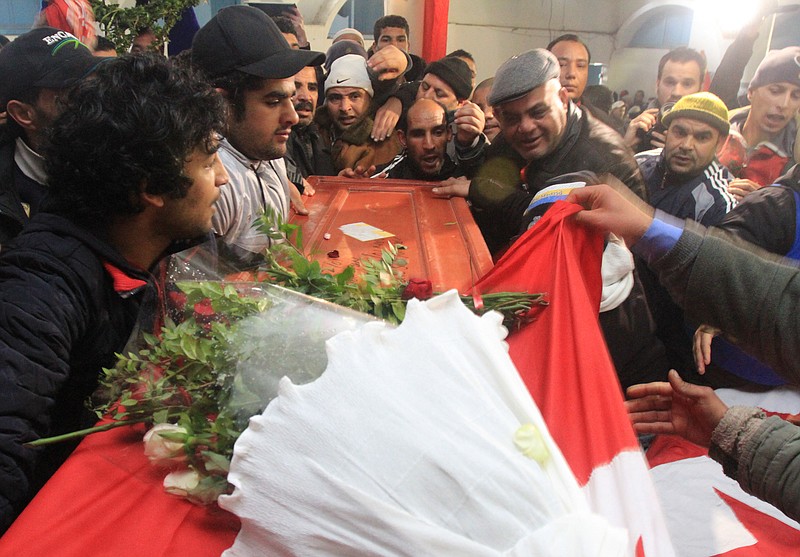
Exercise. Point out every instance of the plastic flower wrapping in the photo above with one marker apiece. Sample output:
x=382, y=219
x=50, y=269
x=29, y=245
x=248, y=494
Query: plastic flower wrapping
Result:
x=420, y=439
x=209, y=351
x=215, y=362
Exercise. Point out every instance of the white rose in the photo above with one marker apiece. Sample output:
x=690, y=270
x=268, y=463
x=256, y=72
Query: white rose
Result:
x=182, y=482
x=161, y=450
x=189, y=484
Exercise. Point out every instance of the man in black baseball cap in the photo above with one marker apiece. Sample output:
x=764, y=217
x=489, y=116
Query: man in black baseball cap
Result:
x=37, y=69
x=247, y=58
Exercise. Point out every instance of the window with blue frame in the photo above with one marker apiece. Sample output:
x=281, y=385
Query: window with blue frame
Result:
x=357, y=14
x=16, y=16
x=667, y=27
x=786, y=31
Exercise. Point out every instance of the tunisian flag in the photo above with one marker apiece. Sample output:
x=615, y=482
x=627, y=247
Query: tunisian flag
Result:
x=707, y=512
x=73, y=16
x=563, y=360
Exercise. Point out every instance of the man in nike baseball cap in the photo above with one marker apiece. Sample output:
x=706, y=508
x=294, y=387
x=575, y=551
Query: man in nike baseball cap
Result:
x=345, y=119
x=36, y=71
x=248, y=60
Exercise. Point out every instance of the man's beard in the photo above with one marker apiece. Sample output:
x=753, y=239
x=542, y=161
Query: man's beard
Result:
x=304, y=105
x=417, y=169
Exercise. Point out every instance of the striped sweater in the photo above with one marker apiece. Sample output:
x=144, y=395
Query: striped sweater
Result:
x=703, y=198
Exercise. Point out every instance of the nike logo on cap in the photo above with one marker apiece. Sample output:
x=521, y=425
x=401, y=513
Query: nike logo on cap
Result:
x=343, y=80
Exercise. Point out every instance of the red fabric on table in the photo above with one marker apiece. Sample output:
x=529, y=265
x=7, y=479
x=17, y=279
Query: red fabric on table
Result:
x=563, y=360
x=561, y=355
x=107, y=499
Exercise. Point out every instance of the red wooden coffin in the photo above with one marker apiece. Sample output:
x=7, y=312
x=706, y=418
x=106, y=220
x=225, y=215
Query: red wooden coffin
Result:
x=443, y=243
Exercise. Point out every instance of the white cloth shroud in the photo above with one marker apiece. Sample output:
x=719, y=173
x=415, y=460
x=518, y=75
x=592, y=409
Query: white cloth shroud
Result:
x=617, y=271
x=404, y=446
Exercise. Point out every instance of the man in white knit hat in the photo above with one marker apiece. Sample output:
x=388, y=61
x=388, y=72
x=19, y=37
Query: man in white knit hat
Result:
x=345, y=120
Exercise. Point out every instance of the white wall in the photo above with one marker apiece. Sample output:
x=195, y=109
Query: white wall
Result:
x=493, y=31
x=637, y=68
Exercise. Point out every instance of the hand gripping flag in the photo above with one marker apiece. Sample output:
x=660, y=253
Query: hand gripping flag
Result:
x=562, y=358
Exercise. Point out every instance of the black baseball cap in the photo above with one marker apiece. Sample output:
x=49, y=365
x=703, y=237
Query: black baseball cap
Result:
x=246, y=39
x=43, y=57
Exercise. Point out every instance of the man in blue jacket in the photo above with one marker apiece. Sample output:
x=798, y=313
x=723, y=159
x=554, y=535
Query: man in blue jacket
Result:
x=685, y=179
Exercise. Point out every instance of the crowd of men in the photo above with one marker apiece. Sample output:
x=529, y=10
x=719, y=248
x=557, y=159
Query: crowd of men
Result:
x=108, y=165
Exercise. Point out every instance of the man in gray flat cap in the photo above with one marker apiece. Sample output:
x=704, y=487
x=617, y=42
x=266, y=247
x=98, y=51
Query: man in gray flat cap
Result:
x=544, y=136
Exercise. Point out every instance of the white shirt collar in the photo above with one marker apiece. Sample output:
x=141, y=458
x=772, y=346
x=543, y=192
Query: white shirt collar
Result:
x=30, y=162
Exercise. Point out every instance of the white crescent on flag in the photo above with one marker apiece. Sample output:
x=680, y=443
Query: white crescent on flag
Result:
x=707, y=513
x=563, y=360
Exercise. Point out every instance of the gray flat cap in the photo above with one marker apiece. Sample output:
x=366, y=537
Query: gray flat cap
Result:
x=522, y=73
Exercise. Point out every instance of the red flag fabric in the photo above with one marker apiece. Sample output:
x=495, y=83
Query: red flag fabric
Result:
x=707, y=512
x=434, y=39
x=73, y=16
x=563, y=360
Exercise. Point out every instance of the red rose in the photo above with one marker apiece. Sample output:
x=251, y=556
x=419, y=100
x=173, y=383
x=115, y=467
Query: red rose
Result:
x=153, y=372
x=139, y=392
x=177, y=299
x=185, y=397
x=419, y=289
x=204, y=308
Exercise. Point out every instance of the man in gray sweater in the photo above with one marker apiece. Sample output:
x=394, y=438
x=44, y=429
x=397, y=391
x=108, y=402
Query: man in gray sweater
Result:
x=756, y=301
x=245, y=56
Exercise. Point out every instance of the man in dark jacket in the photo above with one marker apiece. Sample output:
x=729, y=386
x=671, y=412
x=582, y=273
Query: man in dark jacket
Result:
x=394, y=30
x=685, y=179
x=37, y=69
x=306, y=152
x=544, y=135
x=680, y=72
x=133, y=167
x=767, y=218
x=424, y=133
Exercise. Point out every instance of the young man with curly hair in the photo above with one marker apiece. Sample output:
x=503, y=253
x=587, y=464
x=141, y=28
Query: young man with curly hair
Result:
x=133, y=168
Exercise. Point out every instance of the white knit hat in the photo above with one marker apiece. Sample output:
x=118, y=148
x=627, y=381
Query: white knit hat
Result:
x=350, y=31
x=349, y=70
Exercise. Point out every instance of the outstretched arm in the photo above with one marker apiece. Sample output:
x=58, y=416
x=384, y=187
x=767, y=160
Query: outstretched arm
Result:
x=675, y=408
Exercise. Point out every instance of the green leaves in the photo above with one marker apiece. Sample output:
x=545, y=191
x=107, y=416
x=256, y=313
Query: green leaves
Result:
x=272, y=225
x=375, y=289
x=186, y=374
x=120, y=24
